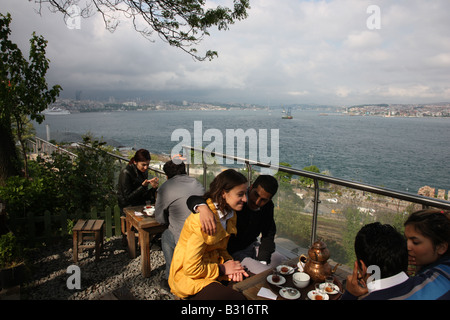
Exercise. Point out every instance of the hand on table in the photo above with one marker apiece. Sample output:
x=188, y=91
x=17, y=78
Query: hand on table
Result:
x=235, y=271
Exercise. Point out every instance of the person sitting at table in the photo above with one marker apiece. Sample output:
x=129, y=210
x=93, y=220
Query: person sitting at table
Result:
x=201, y=261
x=428, y=236
x=133, y=182
x=256, y=218
x=170, y=207
x=382, y=246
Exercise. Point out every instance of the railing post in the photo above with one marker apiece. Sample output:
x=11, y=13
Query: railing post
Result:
x=186, y=152
x=205, y=169
x=249, y=173
x=315, y=211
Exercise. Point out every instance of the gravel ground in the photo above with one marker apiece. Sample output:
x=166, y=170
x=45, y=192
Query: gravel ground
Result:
x=115, y=273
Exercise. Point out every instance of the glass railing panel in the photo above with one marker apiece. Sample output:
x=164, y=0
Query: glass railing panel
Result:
x=343, y=211
x=293, y=217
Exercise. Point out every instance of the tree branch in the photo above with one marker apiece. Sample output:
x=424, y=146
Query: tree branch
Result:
x=180, y=23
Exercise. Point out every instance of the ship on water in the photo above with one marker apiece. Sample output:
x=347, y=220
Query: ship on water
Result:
x=55, y=111
x=287, y=115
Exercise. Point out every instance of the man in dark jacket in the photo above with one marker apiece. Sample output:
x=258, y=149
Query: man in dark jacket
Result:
x=255, y=218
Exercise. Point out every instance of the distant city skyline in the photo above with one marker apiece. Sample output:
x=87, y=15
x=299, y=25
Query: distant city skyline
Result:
x=335, y=52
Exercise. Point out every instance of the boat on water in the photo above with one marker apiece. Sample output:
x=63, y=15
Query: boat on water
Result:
x=287, y=115
x=55, y=111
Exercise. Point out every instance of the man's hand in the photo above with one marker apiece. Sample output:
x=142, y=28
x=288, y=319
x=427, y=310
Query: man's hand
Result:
x=207, y=220
x=356, y=283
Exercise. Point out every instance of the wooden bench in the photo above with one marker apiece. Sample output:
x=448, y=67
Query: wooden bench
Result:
x=88, y=230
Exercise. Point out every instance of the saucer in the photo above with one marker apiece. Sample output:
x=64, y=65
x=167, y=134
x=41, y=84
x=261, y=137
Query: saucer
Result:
x=283, y=292
x=312, y=295
x=282, y=280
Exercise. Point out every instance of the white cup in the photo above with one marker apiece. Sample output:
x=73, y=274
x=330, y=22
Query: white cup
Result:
x=301, y=279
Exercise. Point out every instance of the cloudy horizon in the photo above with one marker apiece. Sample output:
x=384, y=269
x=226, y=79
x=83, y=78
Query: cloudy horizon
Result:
x=285, y=52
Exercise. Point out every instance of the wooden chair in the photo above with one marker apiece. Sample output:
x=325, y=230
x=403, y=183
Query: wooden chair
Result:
x=88, y=230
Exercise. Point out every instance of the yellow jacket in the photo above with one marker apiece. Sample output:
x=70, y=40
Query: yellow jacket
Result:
x=196, y=259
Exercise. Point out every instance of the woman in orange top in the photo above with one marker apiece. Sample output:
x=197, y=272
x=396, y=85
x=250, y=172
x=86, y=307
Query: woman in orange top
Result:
x=201, y=261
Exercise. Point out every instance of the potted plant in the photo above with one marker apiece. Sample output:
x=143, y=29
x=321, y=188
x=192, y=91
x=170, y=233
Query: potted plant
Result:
x=12, y=265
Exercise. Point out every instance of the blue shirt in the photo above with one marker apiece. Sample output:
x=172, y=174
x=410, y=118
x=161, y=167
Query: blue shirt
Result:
x=431, y=283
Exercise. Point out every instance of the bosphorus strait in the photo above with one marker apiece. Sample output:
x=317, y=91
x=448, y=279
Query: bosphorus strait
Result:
x=398, y=153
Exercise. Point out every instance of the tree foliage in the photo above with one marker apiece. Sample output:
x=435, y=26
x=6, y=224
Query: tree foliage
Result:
x=308, y=181
x=180, y=23
x=23, y=92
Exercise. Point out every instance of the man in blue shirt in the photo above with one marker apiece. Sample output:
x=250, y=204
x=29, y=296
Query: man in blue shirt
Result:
x=383, y=249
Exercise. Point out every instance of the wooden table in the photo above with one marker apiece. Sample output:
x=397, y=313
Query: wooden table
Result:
x=251, y=286
x=147, y=227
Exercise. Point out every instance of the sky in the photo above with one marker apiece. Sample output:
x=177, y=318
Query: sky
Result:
x=334, y=52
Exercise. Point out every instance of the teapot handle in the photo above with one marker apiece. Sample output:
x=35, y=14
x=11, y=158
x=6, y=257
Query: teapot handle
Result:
x=303, y=258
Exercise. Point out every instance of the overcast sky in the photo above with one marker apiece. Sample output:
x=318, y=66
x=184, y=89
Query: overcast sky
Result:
x=285, y=52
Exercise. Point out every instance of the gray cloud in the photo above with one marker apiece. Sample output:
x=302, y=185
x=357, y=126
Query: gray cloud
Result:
x=287, y=51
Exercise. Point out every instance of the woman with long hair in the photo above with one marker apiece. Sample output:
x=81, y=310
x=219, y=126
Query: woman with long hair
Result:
x=133, y=182
x=201, y=262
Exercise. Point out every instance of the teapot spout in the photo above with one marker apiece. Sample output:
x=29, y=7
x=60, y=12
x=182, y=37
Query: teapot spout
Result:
x=335, y=267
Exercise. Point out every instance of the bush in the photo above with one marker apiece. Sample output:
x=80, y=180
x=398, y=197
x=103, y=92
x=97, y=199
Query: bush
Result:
x=62, y=183
x=23, y=195
x=10, y=251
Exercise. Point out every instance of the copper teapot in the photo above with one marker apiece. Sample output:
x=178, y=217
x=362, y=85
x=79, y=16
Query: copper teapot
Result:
x=316, y=264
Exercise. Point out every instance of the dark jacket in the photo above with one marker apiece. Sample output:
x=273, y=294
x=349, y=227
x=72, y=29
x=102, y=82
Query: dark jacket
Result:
x=130, y=189
x=250, y=224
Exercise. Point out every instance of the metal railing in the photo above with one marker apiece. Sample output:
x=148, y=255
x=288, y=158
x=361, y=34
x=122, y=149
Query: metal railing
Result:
x=317, y=177
x=43, y=146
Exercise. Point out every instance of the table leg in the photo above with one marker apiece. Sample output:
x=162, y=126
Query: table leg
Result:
x=75, y=246
x=131, y=240
x=98, y=239
x=145, y=238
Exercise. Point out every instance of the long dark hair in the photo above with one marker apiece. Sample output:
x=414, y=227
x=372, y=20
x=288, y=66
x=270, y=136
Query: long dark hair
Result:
x=225, y=181
x=433, y=224
x=140, y=156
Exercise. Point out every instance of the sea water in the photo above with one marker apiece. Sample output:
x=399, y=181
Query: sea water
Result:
x=398, y=153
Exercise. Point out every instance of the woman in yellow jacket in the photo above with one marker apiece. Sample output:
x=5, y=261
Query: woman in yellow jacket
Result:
x=201, y=261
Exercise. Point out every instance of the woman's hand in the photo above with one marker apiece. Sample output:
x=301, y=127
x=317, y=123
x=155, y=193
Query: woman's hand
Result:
x=154, y=182
x=234, y=270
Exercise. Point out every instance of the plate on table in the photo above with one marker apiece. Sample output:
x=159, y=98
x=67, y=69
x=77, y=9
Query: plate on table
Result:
x=285, y=294
x=285, y=270
x=149, y=211
x=335, y=288
x=270, y=279
x=313, y=293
